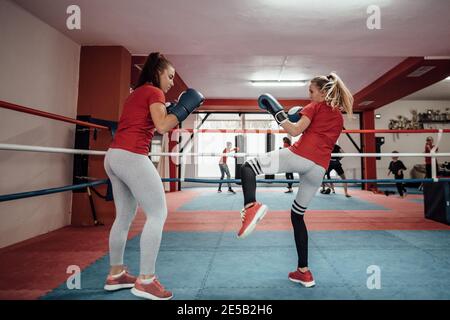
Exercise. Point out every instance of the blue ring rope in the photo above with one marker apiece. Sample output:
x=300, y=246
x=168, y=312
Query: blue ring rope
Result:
x=29, y=194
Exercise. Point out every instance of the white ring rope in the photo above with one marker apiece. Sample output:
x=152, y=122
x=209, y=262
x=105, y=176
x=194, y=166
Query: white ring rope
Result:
x=18, y=147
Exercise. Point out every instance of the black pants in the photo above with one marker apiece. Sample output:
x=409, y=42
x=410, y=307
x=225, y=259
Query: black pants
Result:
x=428, y=171
x=400, y=186
x=289, y=176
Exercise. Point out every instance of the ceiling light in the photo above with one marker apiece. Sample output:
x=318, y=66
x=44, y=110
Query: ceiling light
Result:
x=281, y=83
x=366, y=103
x=447, y=79
x=420, y=71
x=437, y=58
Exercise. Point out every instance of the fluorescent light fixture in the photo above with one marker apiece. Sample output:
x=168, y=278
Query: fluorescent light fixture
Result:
x=366, y=103
x=281, y=83
x=420, y=71
x=437, y=58
x=378, y=116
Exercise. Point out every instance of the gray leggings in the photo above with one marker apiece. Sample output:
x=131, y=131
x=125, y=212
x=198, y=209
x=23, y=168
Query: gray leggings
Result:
x=284, y=160
x=134, y=181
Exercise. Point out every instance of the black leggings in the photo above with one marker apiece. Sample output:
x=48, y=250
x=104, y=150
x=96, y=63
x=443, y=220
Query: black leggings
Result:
x=300, y=232
x=301, y=238
x=248, y=177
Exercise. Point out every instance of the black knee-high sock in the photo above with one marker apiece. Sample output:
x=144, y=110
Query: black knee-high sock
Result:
x=301, y=238
x=248, y=183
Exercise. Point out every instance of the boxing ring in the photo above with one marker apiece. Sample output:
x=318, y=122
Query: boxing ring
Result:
x=25, y=148
x=347, y=236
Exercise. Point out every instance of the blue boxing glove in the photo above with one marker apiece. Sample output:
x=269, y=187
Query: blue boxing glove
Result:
x=269, y=103
x=188, y=101
x=294, y=114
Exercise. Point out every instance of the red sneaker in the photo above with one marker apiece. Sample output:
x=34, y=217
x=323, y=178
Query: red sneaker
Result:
x=304, y=278
x=250, y=218
x=126, y=280
x=152, y=291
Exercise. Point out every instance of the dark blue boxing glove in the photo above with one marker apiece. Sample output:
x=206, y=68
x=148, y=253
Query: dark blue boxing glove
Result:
x=294, y=114
x=188, y=101
x=269, y=103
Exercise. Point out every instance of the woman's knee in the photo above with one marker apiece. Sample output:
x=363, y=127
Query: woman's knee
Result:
x=123, y=222
x=163, y=215
x=157, y=214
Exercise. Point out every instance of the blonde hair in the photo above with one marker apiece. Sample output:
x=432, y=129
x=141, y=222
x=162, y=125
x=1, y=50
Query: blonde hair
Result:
x=337, y=93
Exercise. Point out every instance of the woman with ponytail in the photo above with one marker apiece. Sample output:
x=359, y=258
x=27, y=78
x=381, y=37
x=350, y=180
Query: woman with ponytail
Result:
x=135, y=180
x=321, y=123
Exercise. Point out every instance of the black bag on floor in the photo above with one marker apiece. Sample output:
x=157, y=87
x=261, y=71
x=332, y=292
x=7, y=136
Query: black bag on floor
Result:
x=436, y=197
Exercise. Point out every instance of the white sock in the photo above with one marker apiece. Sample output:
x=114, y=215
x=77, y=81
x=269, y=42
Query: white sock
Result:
x=147, y=281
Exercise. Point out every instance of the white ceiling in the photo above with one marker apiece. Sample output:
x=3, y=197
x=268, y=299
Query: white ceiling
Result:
x=229, y=76
x=437, y=91
x=218, y=46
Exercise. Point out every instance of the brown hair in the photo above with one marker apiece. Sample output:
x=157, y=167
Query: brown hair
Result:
x=337, y=93
x=156, y=63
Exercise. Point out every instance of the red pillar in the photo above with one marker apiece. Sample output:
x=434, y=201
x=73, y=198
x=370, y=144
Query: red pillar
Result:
x=104, y=85
x=369, y=146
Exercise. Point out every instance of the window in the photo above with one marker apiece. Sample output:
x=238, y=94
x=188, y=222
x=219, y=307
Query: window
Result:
x=208, y=167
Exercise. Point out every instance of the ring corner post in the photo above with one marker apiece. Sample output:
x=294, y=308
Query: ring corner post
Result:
x=369, y=168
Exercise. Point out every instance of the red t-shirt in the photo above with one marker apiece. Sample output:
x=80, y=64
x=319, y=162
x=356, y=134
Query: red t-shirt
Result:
x=223, y=160
x=318, y=140
x=136, y=128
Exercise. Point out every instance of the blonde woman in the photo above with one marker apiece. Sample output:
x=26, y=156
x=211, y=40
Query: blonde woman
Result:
x=321, y=123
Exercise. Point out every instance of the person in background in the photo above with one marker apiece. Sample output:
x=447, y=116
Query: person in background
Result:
x=428, y=147
x=289, y=175
x=396, y=167
x=336, y=165
x=224, y=167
